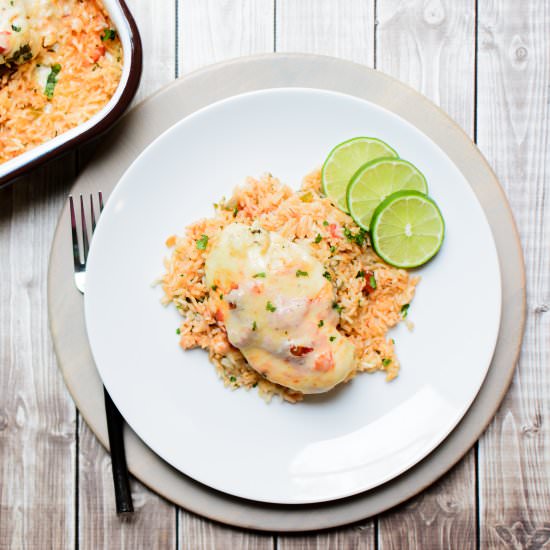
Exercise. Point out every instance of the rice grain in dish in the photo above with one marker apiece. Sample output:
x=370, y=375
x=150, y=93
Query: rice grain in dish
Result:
x=370, y=296
x=60, y=63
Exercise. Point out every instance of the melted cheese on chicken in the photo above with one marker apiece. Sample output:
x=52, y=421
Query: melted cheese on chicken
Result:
x=278, y=309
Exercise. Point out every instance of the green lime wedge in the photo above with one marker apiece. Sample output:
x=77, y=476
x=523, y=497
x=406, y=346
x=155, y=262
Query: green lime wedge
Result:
x=407, y=229
x=376, y=180
x=344, y=160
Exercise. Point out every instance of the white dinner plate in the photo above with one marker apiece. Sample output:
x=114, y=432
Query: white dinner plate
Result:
x=329, y=446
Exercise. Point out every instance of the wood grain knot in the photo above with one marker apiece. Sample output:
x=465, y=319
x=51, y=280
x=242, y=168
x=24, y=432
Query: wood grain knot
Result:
x=487, y=38
x=449, y=506
x=530, y=430
x=434, y=14
x=522, y=536
x=518, y=52
x=432, y=508
x=521, y=52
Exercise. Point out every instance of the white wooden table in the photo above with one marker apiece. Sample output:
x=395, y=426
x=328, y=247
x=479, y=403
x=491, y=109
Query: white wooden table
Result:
x=487, y=63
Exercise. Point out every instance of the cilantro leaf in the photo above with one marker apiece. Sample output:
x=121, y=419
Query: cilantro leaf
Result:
x=202, y=243
x=108, y=34
x=52, y=80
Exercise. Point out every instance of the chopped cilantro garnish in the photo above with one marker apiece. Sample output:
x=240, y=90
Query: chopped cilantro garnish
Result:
x=300, y=273
x=235, y=211
x=332, y=249
x=24, y=53
x=259, y=275
x=108, y=34
x=327, y=276
x=254, y=325
x=372, y=282
x=52, y=80
x=318, y=239
x=321, y=323
x=332, y=338
x=178, y=331
x=270, y=307
x=202, y=242
x=386, y=361
x=221, y=296
x=357, y=238
x=337, y=307
x=255, y=384
x=325, y=223
x=232, y=379
x=16, y=28
x=214, y=287
x=360, y=274
x=405, y=310
x=361, y=237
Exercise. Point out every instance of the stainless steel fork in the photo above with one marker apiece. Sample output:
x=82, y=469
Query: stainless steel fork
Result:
x=80, y=261
x=115, y=422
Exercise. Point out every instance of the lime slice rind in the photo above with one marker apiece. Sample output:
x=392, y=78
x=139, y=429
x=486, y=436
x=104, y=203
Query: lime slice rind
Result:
x=376, y=180
x=408, y=249
x=342, y=162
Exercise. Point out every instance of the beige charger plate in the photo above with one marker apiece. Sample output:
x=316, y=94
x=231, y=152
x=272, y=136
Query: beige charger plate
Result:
x=174, y=102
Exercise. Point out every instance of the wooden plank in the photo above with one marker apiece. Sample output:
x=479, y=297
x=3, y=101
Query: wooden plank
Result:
x=215, y=30
x=210, y=31
x=157, y=28
x=196, y=532
x=513, y=132
x=359, y=537
x=431, y=46
x=154, y=522
x=341, y=29
x=37, y=417
x=443, y=516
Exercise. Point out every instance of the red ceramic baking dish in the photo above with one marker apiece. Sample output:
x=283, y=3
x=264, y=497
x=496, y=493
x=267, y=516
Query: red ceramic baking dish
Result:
x=128, y=33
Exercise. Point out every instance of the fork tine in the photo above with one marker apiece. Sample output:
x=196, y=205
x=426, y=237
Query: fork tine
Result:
x=100, y=202
x=76, y=252
x=85, y=243
x=92, y=213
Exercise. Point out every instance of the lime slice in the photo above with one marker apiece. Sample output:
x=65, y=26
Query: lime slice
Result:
x=407, y=229
x=344, y=160
x=376, y=180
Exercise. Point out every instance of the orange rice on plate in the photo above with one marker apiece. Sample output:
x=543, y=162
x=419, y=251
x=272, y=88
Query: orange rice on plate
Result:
x=78, y=41
x=371, y=296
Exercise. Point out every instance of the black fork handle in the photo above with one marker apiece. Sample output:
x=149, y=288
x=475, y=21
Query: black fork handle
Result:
x=115, y=423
